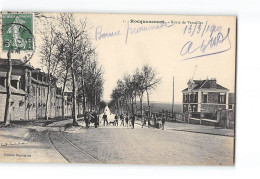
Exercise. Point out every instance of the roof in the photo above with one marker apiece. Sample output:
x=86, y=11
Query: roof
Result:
x=13, y=90
x=205, y=84
x=15, y=62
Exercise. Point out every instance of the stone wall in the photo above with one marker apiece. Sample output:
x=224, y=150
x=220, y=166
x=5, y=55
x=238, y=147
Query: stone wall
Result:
x=17, y=108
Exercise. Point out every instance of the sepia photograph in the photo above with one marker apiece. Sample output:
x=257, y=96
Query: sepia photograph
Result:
x=117, y=88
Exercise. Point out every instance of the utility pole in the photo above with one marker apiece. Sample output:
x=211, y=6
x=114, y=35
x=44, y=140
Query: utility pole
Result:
x=173, y=117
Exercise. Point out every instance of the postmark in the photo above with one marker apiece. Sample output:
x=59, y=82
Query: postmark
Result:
x=17, y=34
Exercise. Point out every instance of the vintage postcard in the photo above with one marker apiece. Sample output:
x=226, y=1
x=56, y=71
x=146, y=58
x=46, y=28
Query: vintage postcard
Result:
x=117, y=88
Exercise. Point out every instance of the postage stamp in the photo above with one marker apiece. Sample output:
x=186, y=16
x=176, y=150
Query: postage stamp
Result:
x=17, y=31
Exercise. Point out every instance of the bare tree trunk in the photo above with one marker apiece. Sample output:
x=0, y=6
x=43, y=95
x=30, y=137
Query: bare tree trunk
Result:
x=74, y=102
x=118, y=107
x=148, y=103
x=126, y=104
x=149, y=108
x=84, y=98
x=78, y=107
x=141, y=103
x=132, y=105
x=135, y=104
x=8, y=90
x=47, y=101
x=91, y=100
x=63, y=90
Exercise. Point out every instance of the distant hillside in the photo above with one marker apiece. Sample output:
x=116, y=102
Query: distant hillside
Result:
x=159, y=106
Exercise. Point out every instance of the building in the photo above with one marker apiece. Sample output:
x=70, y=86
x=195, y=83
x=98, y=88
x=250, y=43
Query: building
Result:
x=204, y=95
x=29, y=88
x=231, y=101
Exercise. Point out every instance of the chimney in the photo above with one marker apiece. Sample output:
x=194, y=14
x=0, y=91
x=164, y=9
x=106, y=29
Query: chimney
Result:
x=38, y=70
x=213, y=83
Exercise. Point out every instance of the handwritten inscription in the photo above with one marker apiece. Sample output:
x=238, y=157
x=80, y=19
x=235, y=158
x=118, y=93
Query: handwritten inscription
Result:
x=99, y=35
x=205, y=39
x=130, y=30
x=210, y=40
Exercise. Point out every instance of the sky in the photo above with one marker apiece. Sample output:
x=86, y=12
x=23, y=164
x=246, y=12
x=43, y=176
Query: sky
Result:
x=182, y=47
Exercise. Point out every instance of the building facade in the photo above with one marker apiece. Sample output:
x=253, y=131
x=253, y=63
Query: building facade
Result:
x=29, y=88
x=204, y=95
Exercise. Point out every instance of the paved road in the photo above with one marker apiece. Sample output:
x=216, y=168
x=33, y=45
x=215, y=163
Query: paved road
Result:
x=118, y=145
x=152, y=146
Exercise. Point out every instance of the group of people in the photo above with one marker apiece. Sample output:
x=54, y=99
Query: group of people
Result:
x=154, y=121
x=126, y=120
x=92, y=117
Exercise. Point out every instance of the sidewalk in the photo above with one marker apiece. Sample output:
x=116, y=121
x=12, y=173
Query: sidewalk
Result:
x=26, y=143
x=196, y=128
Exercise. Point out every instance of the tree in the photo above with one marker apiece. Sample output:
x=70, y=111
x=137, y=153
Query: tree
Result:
x=141, y=81
x=151, y=80
x=95, y=82
x=130, y=85
x=83, y=62
x=8, y=89
x=72, y=32
x=139, y=87
x=51, y=56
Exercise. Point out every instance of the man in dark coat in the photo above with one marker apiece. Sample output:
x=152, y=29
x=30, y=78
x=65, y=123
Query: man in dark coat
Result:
x=163, y=122
x=132, y=118
x=105, y=119
x=95, y=118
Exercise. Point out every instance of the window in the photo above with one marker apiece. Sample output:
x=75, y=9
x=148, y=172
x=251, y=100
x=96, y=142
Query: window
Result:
x=33, y=90
x=205, y=98
x=14, y=84
x=21, y=102
x=222, y=99
x=185, y=98
x=194, y=109
x=2, y=81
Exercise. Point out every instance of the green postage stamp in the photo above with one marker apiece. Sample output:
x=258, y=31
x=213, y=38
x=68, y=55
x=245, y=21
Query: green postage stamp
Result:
x=17, y=32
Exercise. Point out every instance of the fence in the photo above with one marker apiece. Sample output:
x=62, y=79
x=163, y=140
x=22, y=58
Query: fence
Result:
x=221, y=118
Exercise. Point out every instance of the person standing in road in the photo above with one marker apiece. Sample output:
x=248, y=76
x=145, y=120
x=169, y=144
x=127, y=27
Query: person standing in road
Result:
x=116, y=120
x=95, y=118
x=155, y=120
x=163, y=122
x=105, y=119
x=122, y=120
x=126, y=120
x=133, y=121
x=88, y=119
x=144, y=121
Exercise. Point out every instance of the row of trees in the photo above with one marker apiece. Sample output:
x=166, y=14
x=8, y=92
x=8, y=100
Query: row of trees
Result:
x=67, y=53
x=131, y=89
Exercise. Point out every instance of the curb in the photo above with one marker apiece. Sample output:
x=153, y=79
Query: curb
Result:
x=225, y=135
x=12, y=143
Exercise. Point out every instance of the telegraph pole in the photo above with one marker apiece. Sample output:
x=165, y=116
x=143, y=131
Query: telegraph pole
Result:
x=173, y=98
